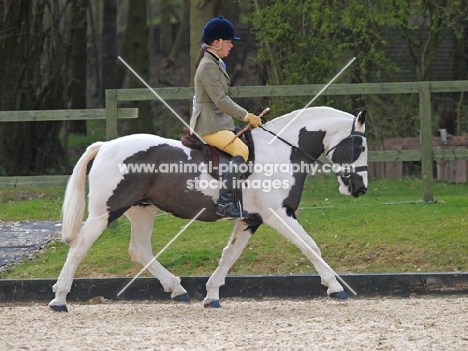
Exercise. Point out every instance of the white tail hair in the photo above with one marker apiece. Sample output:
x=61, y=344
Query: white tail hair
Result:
x=74, y=203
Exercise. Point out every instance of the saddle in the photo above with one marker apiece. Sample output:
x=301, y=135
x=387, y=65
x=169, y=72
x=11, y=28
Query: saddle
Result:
x=213, y=154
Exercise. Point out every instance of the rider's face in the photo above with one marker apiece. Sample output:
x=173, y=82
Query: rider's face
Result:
x=224, y=46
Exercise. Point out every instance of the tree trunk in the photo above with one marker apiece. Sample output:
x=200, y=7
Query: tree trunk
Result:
x=200, y=13
x=137, y=34
x=182, y=41
x=79, y=64
x=165, y=28
x=109, y=46
x=34, y=66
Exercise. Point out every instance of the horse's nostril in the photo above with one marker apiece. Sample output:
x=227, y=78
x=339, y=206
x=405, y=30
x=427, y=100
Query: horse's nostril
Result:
x=360, y=192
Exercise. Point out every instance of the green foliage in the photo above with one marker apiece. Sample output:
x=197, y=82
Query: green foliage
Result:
x=309, y=41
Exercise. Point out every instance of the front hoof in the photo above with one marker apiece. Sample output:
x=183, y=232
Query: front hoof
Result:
x=339, y=295
x=62, y=308
x=182, y=298
x=213, y=304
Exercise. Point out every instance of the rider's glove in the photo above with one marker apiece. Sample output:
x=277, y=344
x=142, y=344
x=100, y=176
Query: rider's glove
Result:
x=254, y=120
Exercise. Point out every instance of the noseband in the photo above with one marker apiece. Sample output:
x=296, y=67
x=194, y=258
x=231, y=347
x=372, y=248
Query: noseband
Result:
x=342, y=173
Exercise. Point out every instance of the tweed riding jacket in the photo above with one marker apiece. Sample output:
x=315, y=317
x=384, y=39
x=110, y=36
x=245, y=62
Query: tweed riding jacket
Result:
x=213, y=109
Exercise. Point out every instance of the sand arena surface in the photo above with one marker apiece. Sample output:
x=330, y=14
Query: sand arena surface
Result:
x=421, y=323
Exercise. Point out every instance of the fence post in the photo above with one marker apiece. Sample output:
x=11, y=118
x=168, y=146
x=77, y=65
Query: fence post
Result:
x=425, y=117
x=111, y=114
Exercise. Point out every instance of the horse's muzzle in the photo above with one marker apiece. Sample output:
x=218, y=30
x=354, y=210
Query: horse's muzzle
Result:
x=359, y=192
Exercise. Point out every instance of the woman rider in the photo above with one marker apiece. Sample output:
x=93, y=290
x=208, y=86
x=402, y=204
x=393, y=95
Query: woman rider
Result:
x=213, y=109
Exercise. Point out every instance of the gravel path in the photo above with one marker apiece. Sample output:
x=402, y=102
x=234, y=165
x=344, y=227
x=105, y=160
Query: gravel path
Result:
x=427, y=323
x=20, y=240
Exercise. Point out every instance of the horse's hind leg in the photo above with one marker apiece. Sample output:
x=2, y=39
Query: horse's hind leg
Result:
x=142, y=219
x=79, y=247
x=231, y=253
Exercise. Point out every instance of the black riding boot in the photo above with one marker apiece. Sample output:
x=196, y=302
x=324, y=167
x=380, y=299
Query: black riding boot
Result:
x=230, y=195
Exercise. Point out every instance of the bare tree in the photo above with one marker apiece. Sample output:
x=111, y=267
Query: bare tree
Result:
x=182, y=40
x=78, y=63
x=109, y=45
x=137, y=41
x=200, y=13
x=165, y=28
x=34, y=69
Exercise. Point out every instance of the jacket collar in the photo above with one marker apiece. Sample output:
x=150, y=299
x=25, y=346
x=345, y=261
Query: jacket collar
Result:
x=218, y=60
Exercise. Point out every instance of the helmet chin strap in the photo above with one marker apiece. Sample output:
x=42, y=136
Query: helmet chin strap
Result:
x=219, y=48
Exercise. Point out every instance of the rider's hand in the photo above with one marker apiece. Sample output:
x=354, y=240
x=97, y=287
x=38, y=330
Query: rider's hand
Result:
x=254, y=120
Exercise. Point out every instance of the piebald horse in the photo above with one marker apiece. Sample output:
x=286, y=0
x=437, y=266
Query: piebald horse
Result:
x=271, y=193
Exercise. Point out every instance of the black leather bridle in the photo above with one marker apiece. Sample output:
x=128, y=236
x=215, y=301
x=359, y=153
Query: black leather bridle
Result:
x=351, y=135
x=345, y=173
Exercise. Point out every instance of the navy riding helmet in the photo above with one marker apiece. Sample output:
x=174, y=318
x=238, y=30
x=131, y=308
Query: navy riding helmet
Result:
x=218, y=28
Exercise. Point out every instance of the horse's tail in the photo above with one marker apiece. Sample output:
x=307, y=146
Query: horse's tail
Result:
x=74, y=203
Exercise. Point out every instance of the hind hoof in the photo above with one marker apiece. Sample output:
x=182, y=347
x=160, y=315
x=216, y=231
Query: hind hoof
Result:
x=62, y=308
x=182, y=298
x=213, y=304
x=340, y=295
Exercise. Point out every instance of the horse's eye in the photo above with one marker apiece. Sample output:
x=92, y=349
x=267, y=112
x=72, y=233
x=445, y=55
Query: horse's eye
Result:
x=362, y=148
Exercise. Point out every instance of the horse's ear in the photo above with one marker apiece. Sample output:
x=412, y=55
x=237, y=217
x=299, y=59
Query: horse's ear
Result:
x=360, y=115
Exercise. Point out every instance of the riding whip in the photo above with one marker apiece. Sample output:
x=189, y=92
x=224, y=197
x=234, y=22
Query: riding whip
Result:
x=264, y=112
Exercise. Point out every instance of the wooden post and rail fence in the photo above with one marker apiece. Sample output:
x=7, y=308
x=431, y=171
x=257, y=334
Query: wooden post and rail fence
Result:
x=426, y=154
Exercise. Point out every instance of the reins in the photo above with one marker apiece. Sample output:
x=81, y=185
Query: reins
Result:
x=341, y=173
x=312, y=159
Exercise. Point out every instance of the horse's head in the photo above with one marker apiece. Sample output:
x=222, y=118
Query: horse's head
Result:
x=349, y=158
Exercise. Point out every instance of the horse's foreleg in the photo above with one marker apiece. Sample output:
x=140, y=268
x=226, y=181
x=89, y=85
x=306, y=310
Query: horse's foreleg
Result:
x=142, y=220
x=231, y=253
x=290, y=228
x=79, y=247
